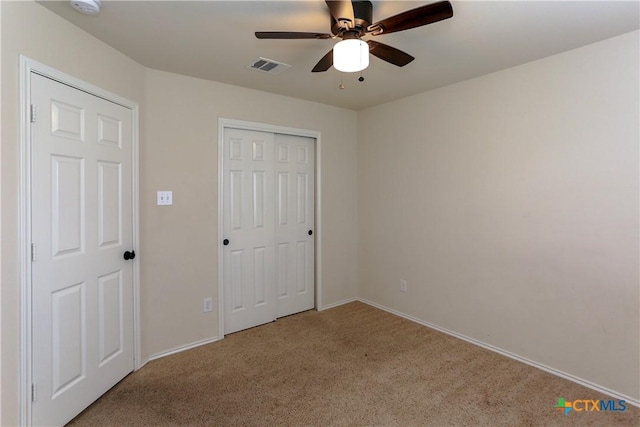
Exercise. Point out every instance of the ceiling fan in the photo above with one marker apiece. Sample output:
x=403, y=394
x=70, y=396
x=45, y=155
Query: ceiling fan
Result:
x=351, y=20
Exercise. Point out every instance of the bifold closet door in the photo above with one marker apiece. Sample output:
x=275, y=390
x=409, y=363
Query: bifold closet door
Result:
x=268, y=216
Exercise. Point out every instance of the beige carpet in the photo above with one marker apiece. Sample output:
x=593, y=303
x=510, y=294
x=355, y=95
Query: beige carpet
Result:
x=353, y=365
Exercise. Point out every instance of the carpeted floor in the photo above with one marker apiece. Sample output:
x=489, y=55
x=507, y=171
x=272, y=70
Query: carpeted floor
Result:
x=353, y=365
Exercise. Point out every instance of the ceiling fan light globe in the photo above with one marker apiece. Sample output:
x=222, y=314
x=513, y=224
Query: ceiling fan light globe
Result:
x=351, y=55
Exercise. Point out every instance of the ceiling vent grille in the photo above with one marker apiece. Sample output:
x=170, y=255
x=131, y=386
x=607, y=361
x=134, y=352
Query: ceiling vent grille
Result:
x=269, y=66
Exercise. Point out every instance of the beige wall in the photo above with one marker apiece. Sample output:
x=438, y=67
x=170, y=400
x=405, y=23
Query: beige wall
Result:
x=178, y=151
x=179, y=254
x=510, y=205
x=30, y=29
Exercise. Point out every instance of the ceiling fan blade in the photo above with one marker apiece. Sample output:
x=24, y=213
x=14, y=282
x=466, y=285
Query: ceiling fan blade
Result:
x=389, y=54
x=325, y=63
x=413, y=18
x=342, y=11
x=290, y=35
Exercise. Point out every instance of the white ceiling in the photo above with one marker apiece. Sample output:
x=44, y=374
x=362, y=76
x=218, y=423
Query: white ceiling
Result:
x=214, y=40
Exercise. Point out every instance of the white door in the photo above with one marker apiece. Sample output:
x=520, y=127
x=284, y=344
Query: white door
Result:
x=248, y=271
x=294, y=223
x=268, y=216
x=82, y=288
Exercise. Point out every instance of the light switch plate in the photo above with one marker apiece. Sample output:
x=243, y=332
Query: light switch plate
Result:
x=165, y=198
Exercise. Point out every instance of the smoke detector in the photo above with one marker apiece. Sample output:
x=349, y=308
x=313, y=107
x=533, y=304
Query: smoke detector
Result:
x=88, y=7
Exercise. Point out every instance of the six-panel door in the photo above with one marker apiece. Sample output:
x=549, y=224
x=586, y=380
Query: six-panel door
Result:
x=82, y=288
x=248, y=270
x=294, y=224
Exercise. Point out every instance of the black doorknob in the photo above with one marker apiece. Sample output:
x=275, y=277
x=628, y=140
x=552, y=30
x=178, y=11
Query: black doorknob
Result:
x=225, y=242
x=129, y=255
x=310, y=232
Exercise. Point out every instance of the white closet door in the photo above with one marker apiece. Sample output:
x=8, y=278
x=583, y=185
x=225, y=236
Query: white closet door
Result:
x=82, y=288
x=248, y=260
x=294, y=223
x=268, y=226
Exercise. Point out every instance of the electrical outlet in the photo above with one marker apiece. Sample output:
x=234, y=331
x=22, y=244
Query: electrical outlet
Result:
x=403, y=285
x=207, y=305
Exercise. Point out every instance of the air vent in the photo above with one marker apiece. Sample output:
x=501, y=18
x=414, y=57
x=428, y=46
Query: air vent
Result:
x=269, y=66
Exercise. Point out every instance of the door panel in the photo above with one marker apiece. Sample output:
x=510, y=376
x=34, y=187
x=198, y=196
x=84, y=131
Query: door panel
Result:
x=69, y=344
x=68, y=205
x=110, y=310
x=109, y=204
x=259, y=276
x=283, y=198
x=67, y=121
x=82, y=289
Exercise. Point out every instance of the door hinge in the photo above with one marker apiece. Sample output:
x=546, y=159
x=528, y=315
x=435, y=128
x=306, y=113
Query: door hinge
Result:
x=33, y=113
x=34, y=252
x=34, y=392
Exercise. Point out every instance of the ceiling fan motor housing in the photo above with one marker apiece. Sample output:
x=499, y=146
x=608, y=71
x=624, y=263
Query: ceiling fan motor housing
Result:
x=363, y=14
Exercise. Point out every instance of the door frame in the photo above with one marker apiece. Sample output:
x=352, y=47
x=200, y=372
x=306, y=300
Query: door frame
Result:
x=28, y=66
x=223, y=124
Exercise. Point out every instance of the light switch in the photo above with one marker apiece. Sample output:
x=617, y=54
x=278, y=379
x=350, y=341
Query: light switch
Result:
x=165, y=198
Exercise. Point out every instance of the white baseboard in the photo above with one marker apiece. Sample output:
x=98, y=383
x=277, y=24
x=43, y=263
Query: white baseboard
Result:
x=180, y=349
x=214, y=339
x=336, y=304
x=573, y=378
